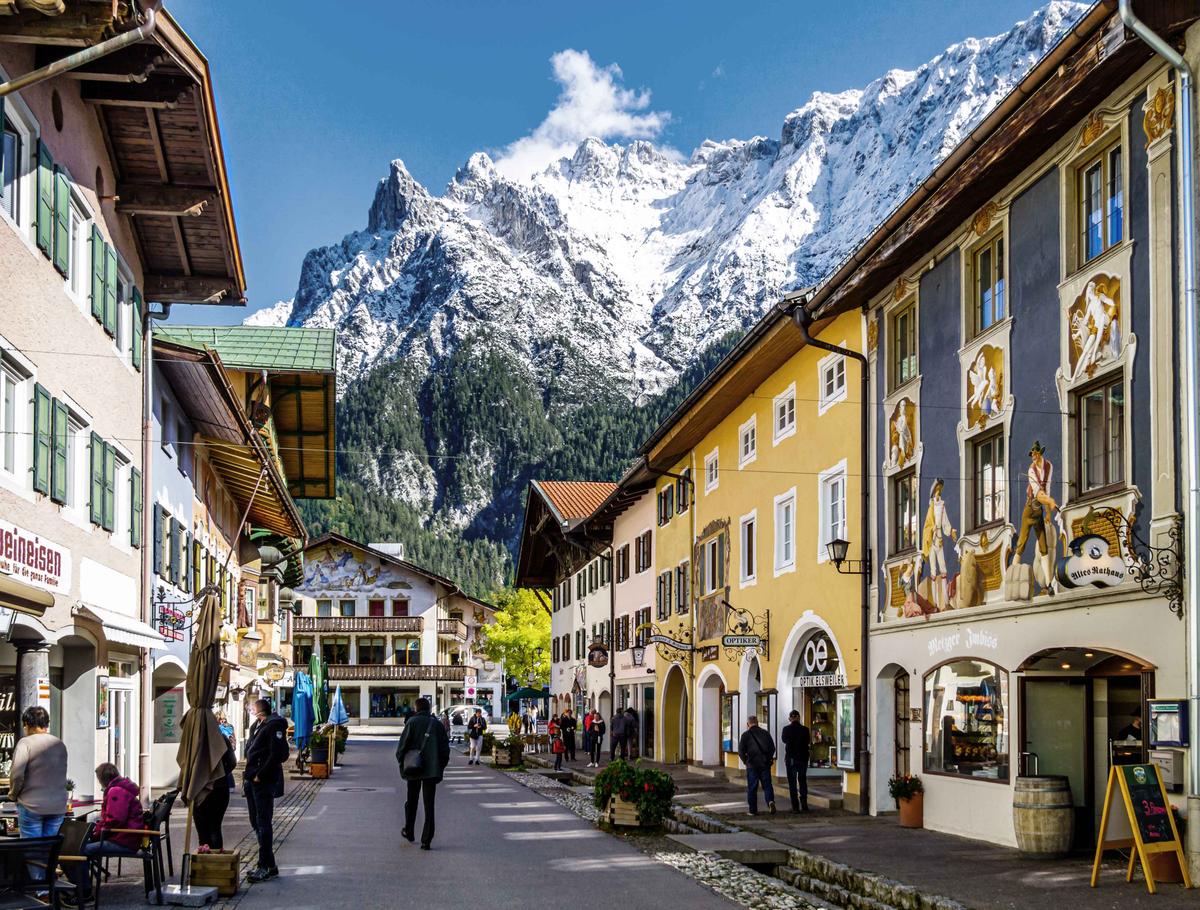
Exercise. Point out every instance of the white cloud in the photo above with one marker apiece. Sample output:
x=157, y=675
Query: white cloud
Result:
x=719, y=71
x=593, y=103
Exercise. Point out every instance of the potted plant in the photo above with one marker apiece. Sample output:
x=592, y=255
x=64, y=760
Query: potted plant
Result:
x=909, y=794
x=629, y=794
x=70, y=795
x=318, y=751
x=343, y=734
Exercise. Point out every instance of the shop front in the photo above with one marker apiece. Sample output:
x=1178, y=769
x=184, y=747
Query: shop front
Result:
x=1055, y=690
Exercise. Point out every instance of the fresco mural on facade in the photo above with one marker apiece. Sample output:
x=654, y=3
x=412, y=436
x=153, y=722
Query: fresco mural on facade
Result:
x=1094, y=319
x=985, y=386
x=339, y=568
x=1042, y=521
x=902, y=433
x=936, y=529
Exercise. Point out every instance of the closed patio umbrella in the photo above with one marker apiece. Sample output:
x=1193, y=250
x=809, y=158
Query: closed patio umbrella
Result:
x=316, y=669
x=201, y=744
x=302, y=709
x=337, y=711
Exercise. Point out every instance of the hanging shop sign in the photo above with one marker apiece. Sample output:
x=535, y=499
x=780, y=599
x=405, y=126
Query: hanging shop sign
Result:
x=671, y=642
x=597, y=655
x=742, y=641
x=1089, y=562
x=273, y=673
x=745, y=631
x=33, y=559
x=710, y=652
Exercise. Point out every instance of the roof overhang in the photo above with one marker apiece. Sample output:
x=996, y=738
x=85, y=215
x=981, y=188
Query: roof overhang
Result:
x=24, y=598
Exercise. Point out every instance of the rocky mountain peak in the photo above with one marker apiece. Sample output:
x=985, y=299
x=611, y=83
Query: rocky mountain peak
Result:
x=396, y=197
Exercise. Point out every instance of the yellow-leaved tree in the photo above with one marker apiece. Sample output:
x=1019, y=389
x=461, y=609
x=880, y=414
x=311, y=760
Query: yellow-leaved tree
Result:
x=520, y=636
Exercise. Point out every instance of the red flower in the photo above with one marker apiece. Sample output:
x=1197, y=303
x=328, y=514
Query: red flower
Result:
x=646, y=787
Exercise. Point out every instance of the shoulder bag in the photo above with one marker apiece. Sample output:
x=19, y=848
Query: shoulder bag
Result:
x=414, y=761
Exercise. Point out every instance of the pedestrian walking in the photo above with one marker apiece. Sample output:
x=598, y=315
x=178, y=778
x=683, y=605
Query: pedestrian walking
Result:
x=597, y=732
x=476, y=727
x=444, y=717
x=567, y=725
x=616, y=736
x=756, y=749
x=210, y=814
x=527, y=722
x=632, y=729
x=796, y=741
x=559, y=749
x=587, y=734
x=423, y=753
x=38, y=777
x=262, y=783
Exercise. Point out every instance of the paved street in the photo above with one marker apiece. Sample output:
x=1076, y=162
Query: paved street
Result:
x=497, y=843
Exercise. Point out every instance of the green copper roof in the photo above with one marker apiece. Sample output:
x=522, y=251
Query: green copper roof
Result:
x=258, y=347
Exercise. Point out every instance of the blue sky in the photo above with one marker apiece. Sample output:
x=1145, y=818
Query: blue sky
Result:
x=315, y=101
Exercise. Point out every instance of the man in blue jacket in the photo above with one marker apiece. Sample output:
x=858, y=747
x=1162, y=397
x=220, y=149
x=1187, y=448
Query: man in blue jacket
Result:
x=423, y=753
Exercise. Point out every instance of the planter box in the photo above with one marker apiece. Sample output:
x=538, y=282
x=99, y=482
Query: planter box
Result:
x=912, y=811
x=319, y=769
x=623, y=813
x=507, y=756
x=217, y=870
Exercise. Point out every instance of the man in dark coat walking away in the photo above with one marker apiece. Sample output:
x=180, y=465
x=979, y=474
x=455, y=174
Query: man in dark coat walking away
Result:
x=616, y=739
x=567, y=725
x=756, y=749
x=423, y=753
x=266, y=753
x=796, y=740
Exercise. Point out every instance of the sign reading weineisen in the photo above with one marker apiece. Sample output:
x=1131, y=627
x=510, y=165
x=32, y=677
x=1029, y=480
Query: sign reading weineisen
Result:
x=34, y=560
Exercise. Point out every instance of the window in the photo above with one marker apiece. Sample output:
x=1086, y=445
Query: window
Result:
x=302, y=648
x=346, y=608
x=832, y=373
x=554, y=658
x=747, y=442
x=904, y=512
x=623, y=563
x=606, y=568
x=682, y=588
x=102, y=504
x=407, y=651
x=683, y=490
x=666, y=504
x=785, y=532
x=988, y=479
x=375, y=607
x=336, y=650
x=966, y=720
x=663, y=595
x=10, y=417
x=372, y=650
x=566, y=647
x=712, y=471
x=904, y=345
x=712, y=564
x=1102, y=435
x=324, y=608
x=641, y=620
x=643, y=554
x=400, y=606
x=747, y=545
x=832, y=492
x=581, y=585
x=77, y=250
x=591, y=574
x=10, y=168
x=784, y=411
x=989, y=305
x=1101, y=204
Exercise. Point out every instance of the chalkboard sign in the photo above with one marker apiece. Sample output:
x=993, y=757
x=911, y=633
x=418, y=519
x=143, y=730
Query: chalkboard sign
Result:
x=1151, y=809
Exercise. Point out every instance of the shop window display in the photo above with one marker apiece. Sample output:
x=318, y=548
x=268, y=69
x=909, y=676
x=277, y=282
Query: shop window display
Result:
x=966, y=720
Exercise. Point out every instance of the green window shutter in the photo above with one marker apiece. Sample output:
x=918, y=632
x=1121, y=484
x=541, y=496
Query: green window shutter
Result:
x=110, y=290
x=62, y=222
x=135, y=507
x=97, y=274
x=185, y=574
x=42, y=410
x=110, y=487
x=60, y=440
x=96, y=497
x=136, y=343
x=176, y=538
x=45, y=200
x=2, y=130
x=158, y=539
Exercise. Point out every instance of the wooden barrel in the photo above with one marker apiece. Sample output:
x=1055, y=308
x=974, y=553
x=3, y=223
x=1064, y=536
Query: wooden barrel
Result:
x=1043, y=816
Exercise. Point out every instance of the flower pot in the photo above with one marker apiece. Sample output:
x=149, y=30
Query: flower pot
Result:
x=219, y=869
x=912, y=811
x=318, y=754
x=1165, y=867
x=622, y=812
x=319, y=769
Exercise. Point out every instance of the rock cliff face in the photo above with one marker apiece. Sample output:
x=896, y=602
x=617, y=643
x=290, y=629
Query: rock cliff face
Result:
x=606, y=275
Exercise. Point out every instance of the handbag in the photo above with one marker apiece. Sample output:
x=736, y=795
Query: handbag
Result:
x=414, y=760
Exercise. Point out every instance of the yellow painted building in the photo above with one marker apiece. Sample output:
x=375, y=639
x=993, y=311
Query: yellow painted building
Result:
x=765, y=461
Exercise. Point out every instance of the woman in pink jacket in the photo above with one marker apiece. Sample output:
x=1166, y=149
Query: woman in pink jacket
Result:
x=120, y=809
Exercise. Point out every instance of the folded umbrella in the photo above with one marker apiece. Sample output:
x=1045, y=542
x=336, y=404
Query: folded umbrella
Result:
x=302, y=709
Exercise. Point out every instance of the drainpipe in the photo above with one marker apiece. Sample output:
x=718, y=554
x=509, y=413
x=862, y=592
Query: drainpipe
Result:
x=1187, y=189
x=802, y=319
x=88, y=54
x=146, y=673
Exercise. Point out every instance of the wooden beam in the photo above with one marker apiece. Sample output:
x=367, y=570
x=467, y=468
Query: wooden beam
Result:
x=156, y=144
x=154, y=199
x=133, y=64
x=160, y=92
x=191, y=289
x=78, y=28
x=184, y=259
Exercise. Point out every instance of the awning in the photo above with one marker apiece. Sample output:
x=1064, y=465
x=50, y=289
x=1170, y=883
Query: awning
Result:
x=124, y=630
x=24, y=598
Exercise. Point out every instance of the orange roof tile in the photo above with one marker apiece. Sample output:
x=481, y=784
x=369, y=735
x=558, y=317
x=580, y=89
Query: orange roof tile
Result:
x=575, y=500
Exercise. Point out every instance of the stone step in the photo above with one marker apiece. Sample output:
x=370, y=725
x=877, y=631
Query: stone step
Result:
x=740, y=847
x=854, y=889
x=712, y=771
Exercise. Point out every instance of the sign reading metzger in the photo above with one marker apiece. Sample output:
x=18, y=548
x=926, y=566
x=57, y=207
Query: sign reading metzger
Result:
x=34, y=560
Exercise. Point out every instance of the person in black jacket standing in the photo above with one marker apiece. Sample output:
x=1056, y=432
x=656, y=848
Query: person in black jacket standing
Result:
x=266, y=752
x=423, y=771
x=756, y=749
x=795, y=757
x=567, y=724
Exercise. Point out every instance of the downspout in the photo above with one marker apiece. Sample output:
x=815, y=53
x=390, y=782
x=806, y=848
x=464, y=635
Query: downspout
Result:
x=802, y=319
x=1187, y=179
x=146, y=688
x=88, y=54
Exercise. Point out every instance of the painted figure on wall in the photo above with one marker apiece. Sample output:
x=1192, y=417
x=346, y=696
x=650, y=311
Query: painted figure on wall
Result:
x=1039, y=517
x=933, y=542
x=901, y=439
x=985, y=386
x=1095, y=323
x=330, y=569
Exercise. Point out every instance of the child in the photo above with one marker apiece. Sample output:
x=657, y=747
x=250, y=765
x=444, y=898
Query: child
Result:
x=558, y=748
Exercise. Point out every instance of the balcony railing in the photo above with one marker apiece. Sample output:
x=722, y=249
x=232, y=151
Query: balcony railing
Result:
x=304, y=624
x=454, y=628
x=364, y=672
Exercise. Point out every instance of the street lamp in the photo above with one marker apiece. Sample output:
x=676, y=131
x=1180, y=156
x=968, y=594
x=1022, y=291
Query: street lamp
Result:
x=639, y=654
x=837, y=550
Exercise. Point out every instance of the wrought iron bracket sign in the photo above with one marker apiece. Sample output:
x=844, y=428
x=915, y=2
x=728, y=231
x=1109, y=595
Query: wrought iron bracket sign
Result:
x=673, y=643
x=1157, y=570
x=745, y=631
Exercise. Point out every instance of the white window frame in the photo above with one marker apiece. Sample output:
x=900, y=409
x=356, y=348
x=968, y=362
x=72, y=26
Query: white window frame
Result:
x=828, y=363
x=778, y=435
x=22, y=371
x=78, y=280
x=748, y=580
x=713, y=557
x=712, y=471
x=119, y=537
x=749, y=427
x=19, y=114
x=783, y=562
x=75, y=509
x=825, y=532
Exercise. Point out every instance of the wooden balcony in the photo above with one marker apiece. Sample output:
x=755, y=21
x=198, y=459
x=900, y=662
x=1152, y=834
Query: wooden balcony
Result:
x=308, y=624
x=415, y=673
x=452, y=628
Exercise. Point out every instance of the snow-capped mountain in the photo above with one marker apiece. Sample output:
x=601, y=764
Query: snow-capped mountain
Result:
x=609, y=271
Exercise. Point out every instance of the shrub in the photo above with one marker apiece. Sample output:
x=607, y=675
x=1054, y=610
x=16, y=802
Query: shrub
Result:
x=905, y=786
x=651, y=790
x=489, y=743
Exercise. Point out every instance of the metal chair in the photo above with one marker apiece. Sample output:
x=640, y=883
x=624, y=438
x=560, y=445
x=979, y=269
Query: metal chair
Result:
x=148, y=850
x=76, y=867
x=27, y=865
x=159, y=819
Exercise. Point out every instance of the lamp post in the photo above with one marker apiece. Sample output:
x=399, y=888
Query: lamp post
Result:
x=837, y=550
x=639, y=655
